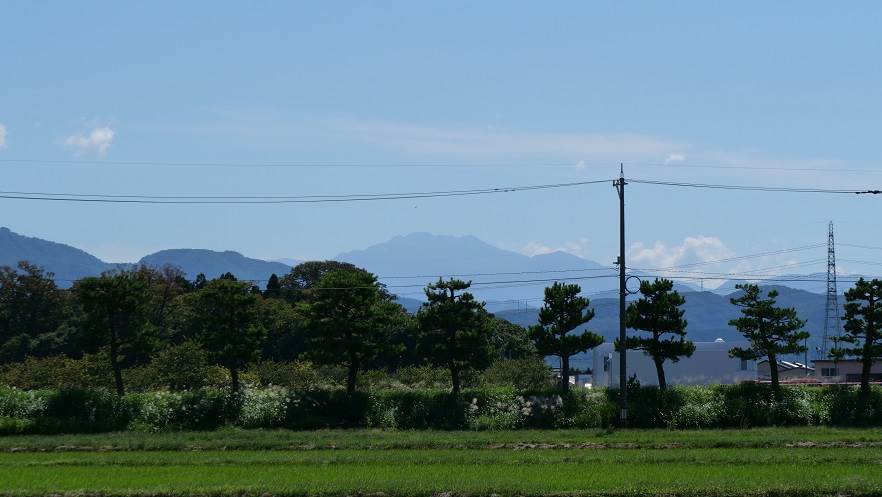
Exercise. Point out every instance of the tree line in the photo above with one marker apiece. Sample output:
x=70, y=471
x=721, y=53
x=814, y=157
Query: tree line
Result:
x=335, y=313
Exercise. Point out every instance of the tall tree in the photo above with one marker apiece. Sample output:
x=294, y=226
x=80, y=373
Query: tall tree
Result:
x=564, y=311
x=228, y=324
x=32, y=310
x=166, y=285
x=296, y=285
x=349, y=321
x=273, y=287
x=114, y=312
x=863, y=328
x=285, y=339
x=772, y=331
x=455, y=329
x=657, y=313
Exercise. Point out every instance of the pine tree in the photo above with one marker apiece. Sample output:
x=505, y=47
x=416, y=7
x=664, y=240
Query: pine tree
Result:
x=113, y=311
x=455, y=330
x=863, y=328
x=563, y=312
x=772, y=331
x=349, y=321
x=658, y=314
x=226, y=317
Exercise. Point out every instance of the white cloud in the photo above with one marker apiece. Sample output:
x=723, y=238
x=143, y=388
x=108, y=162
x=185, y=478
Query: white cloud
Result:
x=675, y=158
x=3, y=134
x=578, y=247
x=97, y=141
x=488, y=142
x=693, y=249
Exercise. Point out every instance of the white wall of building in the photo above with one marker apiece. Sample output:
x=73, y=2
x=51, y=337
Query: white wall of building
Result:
x=710, y=364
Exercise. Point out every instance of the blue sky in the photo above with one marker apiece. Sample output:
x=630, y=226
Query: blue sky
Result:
x=580, y=86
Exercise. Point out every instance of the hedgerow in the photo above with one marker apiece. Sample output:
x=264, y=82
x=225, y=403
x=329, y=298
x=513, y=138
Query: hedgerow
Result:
x=76, y=410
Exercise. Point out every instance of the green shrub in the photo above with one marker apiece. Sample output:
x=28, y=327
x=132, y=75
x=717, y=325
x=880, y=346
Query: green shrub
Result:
x=527, y=374
x=78, y=410
x=16, y=426
x=263, y=408
x=490, y=408
x=298, y=375
x=22, y=404
x=58, y=372
x=592, y=410
x=204, y=409
x=178, y=367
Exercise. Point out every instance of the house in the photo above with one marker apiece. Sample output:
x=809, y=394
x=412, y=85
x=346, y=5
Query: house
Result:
x=710, y=364
x=787, y=370
x=845, y=370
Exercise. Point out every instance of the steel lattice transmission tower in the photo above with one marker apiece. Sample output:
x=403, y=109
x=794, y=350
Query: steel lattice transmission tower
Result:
x=832, y=322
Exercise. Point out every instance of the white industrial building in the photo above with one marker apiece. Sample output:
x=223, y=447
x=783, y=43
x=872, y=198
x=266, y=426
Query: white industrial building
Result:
x=709, y=364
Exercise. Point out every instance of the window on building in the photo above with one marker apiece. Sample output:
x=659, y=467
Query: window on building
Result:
x=743, y=364
x=829, y=372
x=606, y=361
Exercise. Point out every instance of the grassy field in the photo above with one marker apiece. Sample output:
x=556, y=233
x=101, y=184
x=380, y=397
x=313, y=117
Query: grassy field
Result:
x=735, y=463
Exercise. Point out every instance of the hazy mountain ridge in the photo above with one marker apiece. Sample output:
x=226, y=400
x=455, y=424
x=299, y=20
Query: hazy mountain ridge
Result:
x=212, y=263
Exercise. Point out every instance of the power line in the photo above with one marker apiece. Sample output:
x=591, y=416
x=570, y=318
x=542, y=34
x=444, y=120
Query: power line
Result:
x=870, y=247
x=219, y=199
x=758, y=168
x=778, y=189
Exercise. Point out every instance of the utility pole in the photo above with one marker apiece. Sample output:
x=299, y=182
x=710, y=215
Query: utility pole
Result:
x=623, y=292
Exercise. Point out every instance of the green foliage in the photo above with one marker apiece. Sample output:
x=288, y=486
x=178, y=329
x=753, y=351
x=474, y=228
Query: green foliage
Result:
x=863, y=327
x=296, y=286
x=299, y=375
x=285, y=337
x=114, y=313
x=679, y=407
x=772, y=331
x=658, y=313
x=178, y=367
x=228, y=322
x=455, y=330
x=273, y=287
x=32, y=310
x=350, y=322
x=511, y=341
x=527, y=374
x=92, y=370
x=204, y=409
x=564, y=311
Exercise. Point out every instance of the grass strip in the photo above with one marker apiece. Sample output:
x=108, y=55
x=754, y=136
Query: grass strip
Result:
x=238, y=439
x=721, y=472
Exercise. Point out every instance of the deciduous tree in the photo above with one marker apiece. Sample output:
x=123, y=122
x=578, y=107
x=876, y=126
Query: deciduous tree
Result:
x=32, y=311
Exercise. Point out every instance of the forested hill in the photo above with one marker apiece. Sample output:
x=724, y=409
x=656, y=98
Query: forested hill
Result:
x=68, y=263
